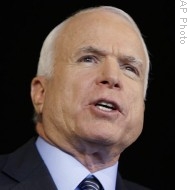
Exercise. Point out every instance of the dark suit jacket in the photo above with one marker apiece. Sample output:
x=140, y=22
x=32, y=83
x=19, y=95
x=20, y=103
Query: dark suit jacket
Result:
x=25, y=170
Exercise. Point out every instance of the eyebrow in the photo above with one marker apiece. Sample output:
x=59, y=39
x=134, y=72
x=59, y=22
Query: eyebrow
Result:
x=131, y=60
x=90, y=49
x=100, y=52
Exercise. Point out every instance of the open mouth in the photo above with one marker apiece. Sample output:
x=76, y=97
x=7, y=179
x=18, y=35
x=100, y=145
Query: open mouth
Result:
x=106, y=106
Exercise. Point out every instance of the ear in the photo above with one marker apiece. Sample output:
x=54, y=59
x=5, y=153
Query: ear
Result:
x=38, y=89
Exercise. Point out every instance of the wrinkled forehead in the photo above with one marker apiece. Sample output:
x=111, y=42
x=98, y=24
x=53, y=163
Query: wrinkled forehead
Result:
x=100, y=27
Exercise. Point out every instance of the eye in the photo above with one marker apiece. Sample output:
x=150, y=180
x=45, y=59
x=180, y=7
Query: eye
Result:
x=88, y=59
x=129, y=68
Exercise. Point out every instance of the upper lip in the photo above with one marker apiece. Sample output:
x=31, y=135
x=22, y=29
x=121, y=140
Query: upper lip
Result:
x=114, y=103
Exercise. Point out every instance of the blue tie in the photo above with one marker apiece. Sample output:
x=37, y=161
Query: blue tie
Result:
x=90, y=183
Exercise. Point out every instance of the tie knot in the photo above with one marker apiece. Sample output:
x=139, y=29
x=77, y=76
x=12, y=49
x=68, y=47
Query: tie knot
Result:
x=90, y=183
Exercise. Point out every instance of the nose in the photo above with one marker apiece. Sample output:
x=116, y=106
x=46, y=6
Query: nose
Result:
x=110, y=75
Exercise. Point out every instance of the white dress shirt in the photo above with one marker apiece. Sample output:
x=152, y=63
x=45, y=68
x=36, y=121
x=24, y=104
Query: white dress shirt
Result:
x=67, y=172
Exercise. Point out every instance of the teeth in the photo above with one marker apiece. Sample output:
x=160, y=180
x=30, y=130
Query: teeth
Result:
x=105, y=106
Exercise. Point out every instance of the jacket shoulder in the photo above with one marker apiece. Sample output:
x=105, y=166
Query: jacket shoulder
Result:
x=24, y=169
x=4, y=179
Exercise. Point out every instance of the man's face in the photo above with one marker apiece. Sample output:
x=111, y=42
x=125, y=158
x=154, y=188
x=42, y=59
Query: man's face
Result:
x=96, y=93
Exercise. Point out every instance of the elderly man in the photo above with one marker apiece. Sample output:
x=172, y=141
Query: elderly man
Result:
x=88, y=96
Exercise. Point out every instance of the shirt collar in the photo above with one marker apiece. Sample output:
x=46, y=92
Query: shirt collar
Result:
x=67, y=172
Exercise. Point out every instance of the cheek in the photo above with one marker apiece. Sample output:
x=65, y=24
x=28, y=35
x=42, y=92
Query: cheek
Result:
x=135, y=112
x=133, y=127
x=72, y=97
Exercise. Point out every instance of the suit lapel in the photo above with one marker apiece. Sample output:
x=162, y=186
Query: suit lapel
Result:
x=27, y=168
x=120, y=184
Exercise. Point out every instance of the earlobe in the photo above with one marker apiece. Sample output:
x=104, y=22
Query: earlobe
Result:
x=38, y=86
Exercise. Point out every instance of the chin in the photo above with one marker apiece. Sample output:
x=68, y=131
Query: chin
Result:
x=103, y=139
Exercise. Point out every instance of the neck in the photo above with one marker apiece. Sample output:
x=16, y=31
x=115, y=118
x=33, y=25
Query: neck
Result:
x=97, y=159
x=94, y=156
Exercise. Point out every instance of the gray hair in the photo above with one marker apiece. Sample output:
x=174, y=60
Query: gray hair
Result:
x=46, y=60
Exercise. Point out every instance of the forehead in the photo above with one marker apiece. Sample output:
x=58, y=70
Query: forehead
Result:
x=103, y=29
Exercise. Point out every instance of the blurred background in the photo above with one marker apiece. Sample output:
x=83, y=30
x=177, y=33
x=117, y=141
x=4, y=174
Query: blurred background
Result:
x=150, y=161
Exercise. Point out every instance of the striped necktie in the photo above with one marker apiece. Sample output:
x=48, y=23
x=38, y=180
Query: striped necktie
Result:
x=90, y=183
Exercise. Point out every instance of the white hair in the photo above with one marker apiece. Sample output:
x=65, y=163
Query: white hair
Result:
x=46, y=60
